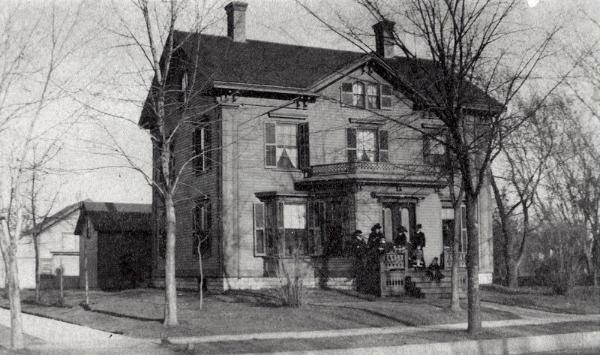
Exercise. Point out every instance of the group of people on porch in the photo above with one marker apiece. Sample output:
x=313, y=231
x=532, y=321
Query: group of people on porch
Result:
x=368, y=250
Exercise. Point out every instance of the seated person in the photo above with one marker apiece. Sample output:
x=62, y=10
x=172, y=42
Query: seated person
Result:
x=433, y=271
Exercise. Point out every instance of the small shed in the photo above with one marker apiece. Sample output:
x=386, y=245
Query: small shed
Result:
x=115, y=244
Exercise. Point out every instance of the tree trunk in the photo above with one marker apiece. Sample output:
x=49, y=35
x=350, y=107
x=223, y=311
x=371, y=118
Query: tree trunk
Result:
x=170, y=282
x=16, y=322
x=473, y=297
x=512, y=276
x=455, y=304
x=201, y=269
x=36, y=249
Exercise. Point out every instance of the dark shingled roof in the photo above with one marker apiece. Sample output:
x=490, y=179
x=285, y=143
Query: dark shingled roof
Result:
x=116, y=217
x=263, y=63
x=285, y=66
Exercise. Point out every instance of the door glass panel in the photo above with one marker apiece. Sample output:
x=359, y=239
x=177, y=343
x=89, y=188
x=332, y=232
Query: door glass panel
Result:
x=388, y=227
x=405, y=218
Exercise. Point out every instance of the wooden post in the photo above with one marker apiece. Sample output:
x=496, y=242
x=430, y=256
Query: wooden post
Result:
x=60, y=272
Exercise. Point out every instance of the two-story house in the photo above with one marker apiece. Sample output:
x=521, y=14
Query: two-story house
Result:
x=296, y=148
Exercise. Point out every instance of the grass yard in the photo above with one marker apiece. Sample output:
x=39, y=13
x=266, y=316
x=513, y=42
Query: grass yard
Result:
x=139, y=312
x=582, y=300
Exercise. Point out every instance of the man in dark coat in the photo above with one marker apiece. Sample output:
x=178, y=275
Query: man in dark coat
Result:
x=418, y=245
x=419, y=242
x=400, y=238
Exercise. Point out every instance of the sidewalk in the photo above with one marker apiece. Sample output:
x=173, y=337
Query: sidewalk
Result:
x=52, y=336
x=537, y=331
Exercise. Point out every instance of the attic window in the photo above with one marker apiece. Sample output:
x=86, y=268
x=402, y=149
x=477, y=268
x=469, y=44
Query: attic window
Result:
x=368, y=95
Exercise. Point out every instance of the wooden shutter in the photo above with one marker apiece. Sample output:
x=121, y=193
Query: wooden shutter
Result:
x=303, y=146
x=197, y=143
x=383, y=146
x=206, y=149
x=206, y=246
x=351, y=144
x=346, y=94
x=196, y=227
x=260, y=247
x=386, y=97
x=280, y=237
x=426, y=148
x=315, y=228
x=270, y=145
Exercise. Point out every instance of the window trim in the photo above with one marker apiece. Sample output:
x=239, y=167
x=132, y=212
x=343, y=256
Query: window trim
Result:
x=381, y=136
x=299, y=145
x=351, y=98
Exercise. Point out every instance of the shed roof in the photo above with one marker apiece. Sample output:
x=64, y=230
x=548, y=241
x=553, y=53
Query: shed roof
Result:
x=107, y=217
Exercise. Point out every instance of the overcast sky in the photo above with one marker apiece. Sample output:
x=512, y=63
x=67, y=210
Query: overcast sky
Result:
x=105, y=76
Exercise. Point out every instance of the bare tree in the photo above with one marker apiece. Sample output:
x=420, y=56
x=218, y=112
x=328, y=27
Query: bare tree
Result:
x=524, y=156
x=470, y=62
x=34, y=52
x=173, y=90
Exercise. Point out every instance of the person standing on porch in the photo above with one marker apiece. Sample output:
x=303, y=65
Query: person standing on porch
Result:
x=400, y=238
x=419, y=244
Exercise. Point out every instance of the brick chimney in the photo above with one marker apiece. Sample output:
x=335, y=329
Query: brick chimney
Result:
x=236, y=20
x=384, y=38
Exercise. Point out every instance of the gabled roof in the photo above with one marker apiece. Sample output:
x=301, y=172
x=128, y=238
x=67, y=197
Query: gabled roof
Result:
x=55, y=218
x=109, y=217
x=285, y=68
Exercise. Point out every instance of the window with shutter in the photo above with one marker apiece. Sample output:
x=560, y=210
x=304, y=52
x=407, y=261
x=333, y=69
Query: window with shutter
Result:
x=434, y=149
x=202, y=146
x=351, y=144
x=366, y=95
x=287, y=145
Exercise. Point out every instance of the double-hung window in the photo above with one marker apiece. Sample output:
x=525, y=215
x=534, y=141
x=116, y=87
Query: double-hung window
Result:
x=434, y=149
x=367, y=145
x=366, y=95
x=286, y=145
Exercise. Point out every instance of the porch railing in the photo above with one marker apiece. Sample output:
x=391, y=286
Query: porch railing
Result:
x=462, y=258
x=368, y=167
x=393, y=266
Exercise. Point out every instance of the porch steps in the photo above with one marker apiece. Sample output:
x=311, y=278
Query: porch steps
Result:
x=432, y=289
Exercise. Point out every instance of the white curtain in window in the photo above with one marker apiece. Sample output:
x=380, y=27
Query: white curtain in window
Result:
x=365, y=145
x=294, y=216
x=287, y=150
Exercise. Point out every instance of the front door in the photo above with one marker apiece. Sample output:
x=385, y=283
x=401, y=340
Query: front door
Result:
x=398, y=214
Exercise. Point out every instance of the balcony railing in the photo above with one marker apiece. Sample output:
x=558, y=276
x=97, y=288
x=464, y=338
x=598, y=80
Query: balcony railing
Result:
x=368, y=168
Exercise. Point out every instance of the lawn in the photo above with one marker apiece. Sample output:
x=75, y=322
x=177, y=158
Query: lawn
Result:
x=582, y=300
x=138, y=312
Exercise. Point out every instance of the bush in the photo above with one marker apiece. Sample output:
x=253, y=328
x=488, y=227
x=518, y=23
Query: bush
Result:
x=291, y=280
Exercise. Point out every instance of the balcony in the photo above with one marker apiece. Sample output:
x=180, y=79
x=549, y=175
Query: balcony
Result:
x=375, y=171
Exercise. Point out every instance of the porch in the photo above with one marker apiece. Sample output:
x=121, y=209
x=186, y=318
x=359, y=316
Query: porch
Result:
x=398, y=278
